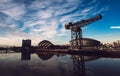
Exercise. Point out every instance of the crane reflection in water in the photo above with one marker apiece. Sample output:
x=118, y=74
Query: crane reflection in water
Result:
x=78, y=66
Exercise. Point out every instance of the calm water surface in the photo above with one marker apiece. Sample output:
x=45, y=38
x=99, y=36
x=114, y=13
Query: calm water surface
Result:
x=53, y=65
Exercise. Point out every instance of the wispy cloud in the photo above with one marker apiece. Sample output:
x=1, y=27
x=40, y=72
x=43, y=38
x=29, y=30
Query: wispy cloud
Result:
x=15, y=15
x=115, y=27
x=42, y=19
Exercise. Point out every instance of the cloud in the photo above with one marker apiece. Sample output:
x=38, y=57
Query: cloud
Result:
x=13, y=12
x=42, y=19
x=6, y=4
x=115, y=27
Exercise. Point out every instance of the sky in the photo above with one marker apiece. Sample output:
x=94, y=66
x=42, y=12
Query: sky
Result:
x=45, y=19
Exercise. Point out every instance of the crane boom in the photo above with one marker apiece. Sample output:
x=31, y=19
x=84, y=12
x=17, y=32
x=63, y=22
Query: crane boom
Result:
x=82, y=23
x=88, y=21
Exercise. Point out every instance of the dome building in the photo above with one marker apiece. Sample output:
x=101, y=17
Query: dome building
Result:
x=87, y=43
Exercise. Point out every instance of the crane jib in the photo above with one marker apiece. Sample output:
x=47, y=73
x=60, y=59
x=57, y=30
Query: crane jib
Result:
x=88, y=21
x=82, y=23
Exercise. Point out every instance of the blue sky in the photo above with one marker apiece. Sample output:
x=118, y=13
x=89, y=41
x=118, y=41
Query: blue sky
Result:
x=45, y=19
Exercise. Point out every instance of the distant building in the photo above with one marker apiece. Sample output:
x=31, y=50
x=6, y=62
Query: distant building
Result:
x=26, y=43
x=87, y=43
x=45, y=44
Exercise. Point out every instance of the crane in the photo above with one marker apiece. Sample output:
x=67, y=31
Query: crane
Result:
x=76, y=31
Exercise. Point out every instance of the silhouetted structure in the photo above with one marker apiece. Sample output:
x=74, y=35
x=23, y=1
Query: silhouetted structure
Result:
x=26, y=43
x=88, y=43
x=79, y=66
x=25, y=53
x=45, y=44
x=76, y=31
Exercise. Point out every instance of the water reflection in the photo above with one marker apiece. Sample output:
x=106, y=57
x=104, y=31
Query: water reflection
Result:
x=44, y=56
x=78, y=62
x=26, y=55
x=78, y=66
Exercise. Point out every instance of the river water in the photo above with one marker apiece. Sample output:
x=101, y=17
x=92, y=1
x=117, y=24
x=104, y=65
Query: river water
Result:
x=58, y=65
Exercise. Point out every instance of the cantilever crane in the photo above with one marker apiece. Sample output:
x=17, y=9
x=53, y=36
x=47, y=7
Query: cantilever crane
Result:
x=76, y=31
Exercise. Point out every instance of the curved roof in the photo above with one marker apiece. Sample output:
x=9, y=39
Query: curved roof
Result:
x=45, y=44
x=88, y=42
x=88, y=39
